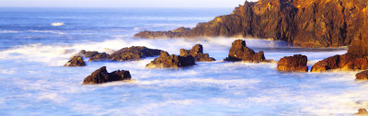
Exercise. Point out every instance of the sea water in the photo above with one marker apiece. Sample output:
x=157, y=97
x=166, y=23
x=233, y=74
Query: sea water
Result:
x=35, y=43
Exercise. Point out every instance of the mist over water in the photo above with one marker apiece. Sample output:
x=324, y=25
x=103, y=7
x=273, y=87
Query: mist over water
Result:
x=34, y=82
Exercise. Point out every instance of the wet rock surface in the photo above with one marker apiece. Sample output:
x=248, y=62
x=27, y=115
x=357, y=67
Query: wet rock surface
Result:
x=296, y=63
x=305, y=23
x=124, y=54
x=362, y=76
x=197, y=53
x=171, y=61
x=240, y=52
x=75, y=61
x=346, y=62
x=102, y=76
x=133, y=53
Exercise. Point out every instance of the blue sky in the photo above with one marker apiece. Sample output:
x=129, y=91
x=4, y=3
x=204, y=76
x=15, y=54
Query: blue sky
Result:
x=124, y=3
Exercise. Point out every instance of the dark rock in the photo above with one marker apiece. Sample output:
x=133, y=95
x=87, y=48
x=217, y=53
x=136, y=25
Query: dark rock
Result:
x=99, y=57
x=171, y=61
x=75, y=61
x=362, y=112
x=305, y=23
x=197, y=53
x=94, y=55
x=346, y=62
x=240, y=52
x=296, y=63
x=133, y=53
x=362, y=76
x=102, y=76
x=87, y=54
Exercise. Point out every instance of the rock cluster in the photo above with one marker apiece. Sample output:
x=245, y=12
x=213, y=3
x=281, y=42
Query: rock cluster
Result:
x=240, y=52
x=171, y=61
x=296, y=63
x=305, y=23
x=124, y=54
x=102, y=76
x=362, y=76
x=197, y=53
x=75, y=61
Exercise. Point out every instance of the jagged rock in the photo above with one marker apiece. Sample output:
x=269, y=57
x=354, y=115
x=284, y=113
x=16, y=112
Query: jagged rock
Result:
x=171, y=61
x=133, y=53
x=305, y=23
x=197, y=53
x=362, y=112
x=296, y=63
x=362, y=76
x=102, y=76
x=240, y=52
x=75, y=61
x=342, y=62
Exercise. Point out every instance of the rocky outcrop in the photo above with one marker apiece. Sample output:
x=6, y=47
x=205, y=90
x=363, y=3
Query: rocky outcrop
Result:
x=305, y=23
x=197, y=53
x=171, y=61
x=133, y=53
x=362, y=76
x=296, y=63
x=346, y=62
x=75, y=61
x=102, y=76
x=124, y=54
x=240, y=52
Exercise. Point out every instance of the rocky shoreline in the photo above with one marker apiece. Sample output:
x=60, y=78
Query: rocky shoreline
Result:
x=305, y=23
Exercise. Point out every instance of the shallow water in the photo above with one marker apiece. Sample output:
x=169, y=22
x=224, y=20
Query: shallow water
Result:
x=33, y=81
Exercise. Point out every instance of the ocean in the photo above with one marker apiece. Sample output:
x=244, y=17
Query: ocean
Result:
x=35, y=43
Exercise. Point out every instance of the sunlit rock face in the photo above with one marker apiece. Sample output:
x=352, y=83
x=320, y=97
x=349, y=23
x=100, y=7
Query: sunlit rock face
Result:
x=240, y=52
x=197, y=53
x=305, y=23
x=296, y=63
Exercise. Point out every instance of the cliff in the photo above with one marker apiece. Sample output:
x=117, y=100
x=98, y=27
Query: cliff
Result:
x=305, y=23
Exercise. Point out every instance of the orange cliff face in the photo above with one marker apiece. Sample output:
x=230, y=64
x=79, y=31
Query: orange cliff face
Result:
x=305, y=23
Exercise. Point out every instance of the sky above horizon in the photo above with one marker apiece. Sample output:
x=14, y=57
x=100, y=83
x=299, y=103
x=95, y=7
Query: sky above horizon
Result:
x=125, y=3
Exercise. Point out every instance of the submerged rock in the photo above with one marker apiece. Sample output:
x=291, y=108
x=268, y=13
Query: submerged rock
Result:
x=102, y=76
x=296, y=63
x=197, y=53
x=133, y=53
x=75, y=61
x=171, y=61
x=346, y=62
x=240, y=52
x=305, y=23
x=362, y=76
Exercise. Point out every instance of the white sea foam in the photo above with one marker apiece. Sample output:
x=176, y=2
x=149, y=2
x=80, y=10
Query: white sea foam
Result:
x=57, y=24
x=8, y=31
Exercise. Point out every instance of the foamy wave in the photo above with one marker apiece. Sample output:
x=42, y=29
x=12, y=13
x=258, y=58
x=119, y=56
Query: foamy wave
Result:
x=57, y=55
x=57, y=24
x=8, y=31
x=45, y=31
